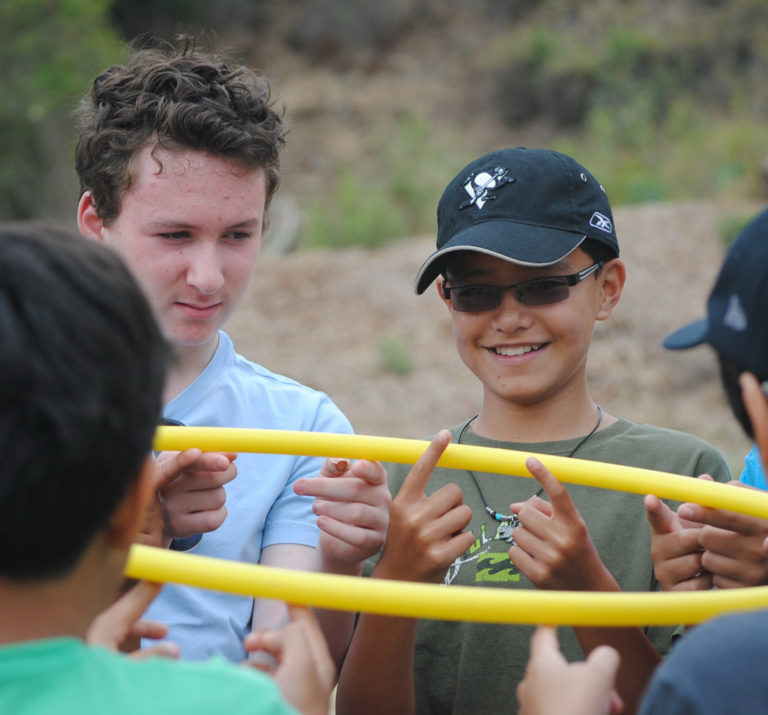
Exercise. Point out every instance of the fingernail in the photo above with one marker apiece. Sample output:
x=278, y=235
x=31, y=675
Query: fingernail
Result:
x=340, y=465
x=685, y=511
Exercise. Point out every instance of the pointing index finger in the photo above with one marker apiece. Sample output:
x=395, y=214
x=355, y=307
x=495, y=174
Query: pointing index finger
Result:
x=557, y=493
x=416, y=481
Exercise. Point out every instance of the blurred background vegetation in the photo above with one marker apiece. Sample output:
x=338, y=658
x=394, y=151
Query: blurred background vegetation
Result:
x=662, y=100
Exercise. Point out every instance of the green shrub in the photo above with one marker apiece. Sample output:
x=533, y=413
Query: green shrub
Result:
x=395, y=355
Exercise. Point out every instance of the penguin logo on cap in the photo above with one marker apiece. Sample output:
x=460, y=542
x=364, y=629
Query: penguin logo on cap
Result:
x=480, y=186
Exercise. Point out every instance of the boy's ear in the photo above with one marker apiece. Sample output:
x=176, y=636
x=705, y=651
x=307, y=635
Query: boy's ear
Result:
x=756, y=402
x=127, y=519
x=88, y=221
x=439, y=286
x=613, y=275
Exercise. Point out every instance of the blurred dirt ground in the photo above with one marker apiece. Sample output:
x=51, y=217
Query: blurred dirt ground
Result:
x=322, y=317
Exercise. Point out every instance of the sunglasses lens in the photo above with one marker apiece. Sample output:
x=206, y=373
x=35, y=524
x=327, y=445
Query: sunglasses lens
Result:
x=475, y=299
x=544, y=292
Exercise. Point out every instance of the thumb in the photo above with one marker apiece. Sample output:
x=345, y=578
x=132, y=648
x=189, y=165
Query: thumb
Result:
x=606, y=660
x=334, y=467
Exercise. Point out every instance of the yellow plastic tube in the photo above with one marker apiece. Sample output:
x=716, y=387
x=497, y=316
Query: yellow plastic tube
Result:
x=463, y=456
x=457, y=603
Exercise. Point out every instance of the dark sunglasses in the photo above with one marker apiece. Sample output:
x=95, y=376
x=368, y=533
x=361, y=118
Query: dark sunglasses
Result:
x=479, y=298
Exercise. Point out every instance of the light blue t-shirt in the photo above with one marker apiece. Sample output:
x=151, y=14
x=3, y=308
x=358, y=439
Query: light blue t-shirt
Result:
x=753, y=473
x=262, y=508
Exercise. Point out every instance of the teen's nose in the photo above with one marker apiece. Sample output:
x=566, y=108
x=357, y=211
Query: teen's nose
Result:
x=511, y=314
x=204, y=272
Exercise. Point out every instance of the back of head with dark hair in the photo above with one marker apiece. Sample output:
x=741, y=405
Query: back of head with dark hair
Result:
x=83, y=365
x=179, y=99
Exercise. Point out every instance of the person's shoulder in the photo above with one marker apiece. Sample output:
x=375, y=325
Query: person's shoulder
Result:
x=667, y=449
x=191, y=686
x=714, y=665
x=643, y=431
x=249, y=370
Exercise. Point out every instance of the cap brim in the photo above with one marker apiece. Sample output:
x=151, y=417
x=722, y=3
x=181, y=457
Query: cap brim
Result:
x=511, y=241
x=688, y=336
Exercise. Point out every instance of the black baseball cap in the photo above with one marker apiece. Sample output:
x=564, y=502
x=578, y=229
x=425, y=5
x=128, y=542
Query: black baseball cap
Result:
x=736, y=325
x=528, y=206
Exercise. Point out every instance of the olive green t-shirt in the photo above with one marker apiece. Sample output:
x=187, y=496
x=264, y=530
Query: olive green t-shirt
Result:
x=468, y=667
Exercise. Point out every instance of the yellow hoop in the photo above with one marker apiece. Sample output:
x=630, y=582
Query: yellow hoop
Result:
x=463, y=456
x=457, y=603
x=465, y=603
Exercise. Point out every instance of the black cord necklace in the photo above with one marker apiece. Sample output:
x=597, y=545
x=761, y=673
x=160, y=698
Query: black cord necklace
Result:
x=512, y=519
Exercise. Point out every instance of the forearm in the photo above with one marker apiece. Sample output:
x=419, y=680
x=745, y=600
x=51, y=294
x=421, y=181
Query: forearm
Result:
x=638, y=656
x=337, y=626
x=638, y=659
x=377, y=675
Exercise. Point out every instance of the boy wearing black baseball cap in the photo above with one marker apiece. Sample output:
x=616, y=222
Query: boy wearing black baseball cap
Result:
x=527, y=260
x=700, y=547
x=691, y=680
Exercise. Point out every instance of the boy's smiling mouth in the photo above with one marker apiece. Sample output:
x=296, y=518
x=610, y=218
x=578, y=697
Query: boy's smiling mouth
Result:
x=514, y=352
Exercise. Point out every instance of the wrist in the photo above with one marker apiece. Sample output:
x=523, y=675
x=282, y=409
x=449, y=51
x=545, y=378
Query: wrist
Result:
x=328, y=564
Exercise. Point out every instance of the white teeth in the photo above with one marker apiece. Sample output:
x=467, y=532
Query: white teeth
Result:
x=517, y=351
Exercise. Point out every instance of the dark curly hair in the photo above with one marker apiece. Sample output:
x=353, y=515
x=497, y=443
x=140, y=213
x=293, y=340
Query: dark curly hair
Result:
x=178, y=98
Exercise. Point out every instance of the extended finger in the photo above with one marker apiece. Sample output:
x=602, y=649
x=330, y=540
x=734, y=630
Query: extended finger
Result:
x=557, y=493
x=343, y=489
x=153, y=630
x=355, y=513
x=130, y=607
x=416, y=481
x=318, y=646
x=605, y=661
x=171, y=464
x=661, y=518
x=544, y=642
x=720, y=518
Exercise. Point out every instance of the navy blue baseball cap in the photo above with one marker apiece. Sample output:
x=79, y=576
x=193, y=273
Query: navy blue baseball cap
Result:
x=528, y=206
x=736, y=325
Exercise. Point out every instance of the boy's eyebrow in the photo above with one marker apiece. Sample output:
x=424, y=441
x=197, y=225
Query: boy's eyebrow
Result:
x=181, y=224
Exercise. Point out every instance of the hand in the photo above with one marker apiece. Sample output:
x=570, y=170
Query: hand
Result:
x=304, y=670
x=192, y=499
x=352, y=506
x=733, y=544
x=552, y=685
x=675, y=549
x=426, y=533
x=553, y=547
x=121, y=627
